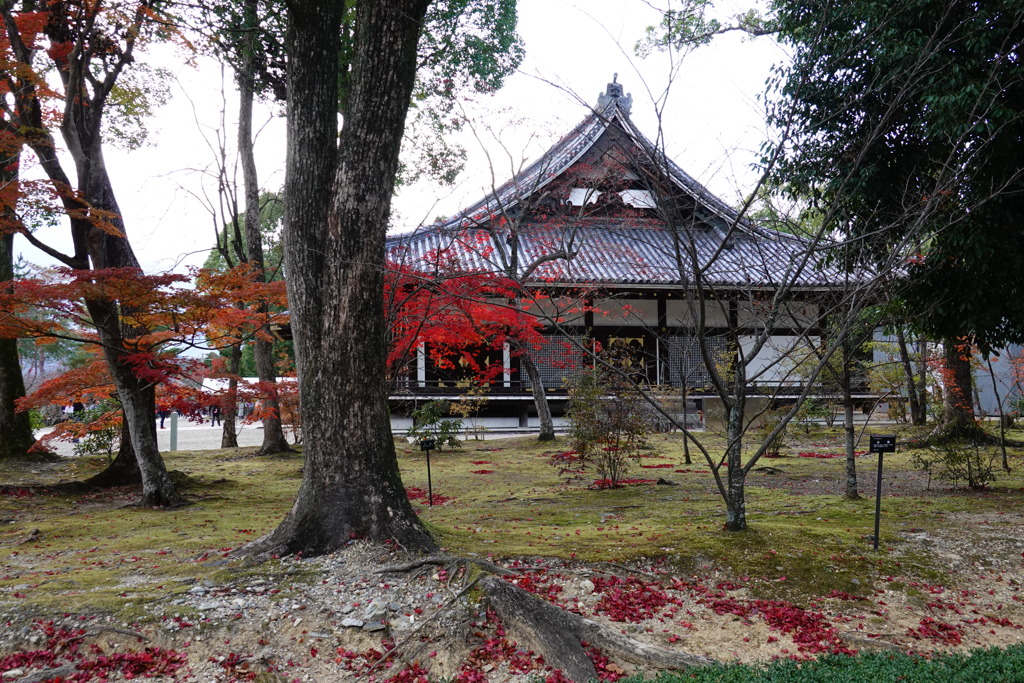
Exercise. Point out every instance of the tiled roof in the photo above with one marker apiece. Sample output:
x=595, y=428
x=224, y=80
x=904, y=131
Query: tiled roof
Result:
x=610, y=252
x=638, y=250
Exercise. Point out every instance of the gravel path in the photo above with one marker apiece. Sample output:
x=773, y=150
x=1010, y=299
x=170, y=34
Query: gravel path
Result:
x=192, y=436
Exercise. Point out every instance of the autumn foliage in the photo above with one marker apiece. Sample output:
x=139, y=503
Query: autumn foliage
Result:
x=456, y=314
x=171, y=312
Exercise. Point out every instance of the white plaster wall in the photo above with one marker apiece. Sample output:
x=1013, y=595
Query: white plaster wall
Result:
x=619, y=312
x=678, y=312
x=770, y=366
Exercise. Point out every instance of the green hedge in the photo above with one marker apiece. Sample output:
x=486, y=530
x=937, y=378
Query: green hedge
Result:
x=979, y=666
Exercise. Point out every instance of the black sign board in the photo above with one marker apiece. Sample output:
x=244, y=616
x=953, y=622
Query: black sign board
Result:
x=429, y=445
x=883, y=443
x=880, y=443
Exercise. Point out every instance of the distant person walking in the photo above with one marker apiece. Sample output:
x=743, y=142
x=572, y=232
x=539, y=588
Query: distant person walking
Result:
x=214, y=416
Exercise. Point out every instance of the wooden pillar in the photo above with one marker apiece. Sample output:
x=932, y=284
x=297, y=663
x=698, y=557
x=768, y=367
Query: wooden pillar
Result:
x=663, y=376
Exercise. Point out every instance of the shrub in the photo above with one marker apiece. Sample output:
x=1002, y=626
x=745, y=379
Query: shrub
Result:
x=959, y=461
x=769, y=421
x=814, y=409
x=98, y=430
x=36, y=420
x=475, y=398
x=608, y=423
x=429, y=422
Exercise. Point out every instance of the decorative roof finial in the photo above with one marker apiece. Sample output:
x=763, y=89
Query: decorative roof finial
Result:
x=613, y=93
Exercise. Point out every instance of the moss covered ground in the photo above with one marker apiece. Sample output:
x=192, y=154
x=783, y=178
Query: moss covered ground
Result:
x=502, y=499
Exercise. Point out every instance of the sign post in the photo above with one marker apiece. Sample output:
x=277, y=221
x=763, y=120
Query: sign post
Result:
x=427, y=445
x=880, y=443
x=174, y=430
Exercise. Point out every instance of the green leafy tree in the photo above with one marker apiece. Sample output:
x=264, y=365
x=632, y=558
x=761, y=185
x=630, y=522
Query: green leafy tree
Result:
x=907, y=117
x=232, y=244
x=467, y=48
x=467, y=45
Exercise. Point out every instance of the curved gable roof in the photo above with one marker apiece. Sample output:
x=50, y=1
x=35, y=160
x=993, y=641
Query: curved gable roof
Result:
x=643, y=250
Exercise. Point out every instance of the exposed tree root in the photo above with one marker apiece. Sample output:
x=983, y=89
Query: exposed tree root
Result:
x=558, y=636
x=970, y=432
x=445, y=560
x=396, y=651
x=275, y=448
x=561, y=638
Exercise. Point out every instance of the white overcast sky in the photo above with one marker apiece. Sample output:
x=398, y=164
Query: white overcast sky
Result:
x=713, y=123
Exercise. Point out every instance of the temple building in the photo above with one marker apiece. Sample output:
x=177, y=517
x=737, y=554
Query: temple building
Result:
x=630, y=252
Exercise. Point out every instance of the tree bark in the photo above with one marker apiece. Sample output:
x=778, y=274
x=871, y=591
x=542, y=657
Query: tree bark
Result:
x=1002, y=416
x=123, y=470
x=559, y=636
x=97, y=230
x=958, y=419
x=849, y=430
x=138, y=400
x=15, y=432
x=274, y=440
x=918, y=408
x=540, y=398
x=138, y=397
x=229, y=430
x=16, y=436
x=922, y=378
x=336, y=212
x=735, y=504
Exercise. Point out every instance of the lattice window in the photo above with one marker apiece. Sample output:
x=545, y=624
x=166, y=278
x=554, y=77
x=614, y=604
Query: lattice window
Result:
x=557, y=359
x=686, y=363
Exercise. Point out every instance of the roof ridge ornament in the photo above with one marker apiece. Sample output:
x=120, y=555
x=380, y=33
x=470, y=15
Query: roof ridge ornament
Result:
x=613, y=93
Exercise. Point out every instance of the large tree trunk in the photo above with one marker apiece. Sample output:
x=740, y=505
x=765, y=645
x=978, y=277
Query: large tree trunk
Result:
x=336, y=211
x=15, y=431
x=138, y=400
x=1002, y=415
x=958, y=420
x=97, y=230
x=540, y=397
x=922, y=377
x=123, y=470
x=274, y=440
x=137, y=396
x=16, y=436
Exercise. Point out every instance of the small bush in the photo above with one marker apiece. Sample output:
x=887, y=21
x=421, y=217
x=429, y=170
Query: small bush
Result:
x=98, y=431
x=965, y=462
x=36, y=420
x=429, y=422
x=769, y=421
x=812, y=410
x=609, y=423
x=474, y=398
